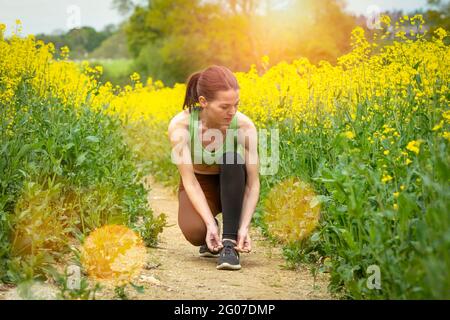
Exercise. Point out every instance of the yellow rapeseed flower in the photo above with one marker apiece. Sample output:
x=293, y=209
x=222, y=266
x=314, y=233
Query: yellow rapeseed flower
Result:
x=446, y=135
x=446, y=115
x=386, y=178
x=386, y=20
x=349, y=134
x=65, y=52
x=438, y=126
x=99, y=69
x=135, y=77
x=441, y=33
x=414, y=146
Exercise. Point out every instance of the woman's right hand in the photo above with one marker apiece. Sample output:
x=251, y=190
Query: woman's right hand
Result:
x=212, y=238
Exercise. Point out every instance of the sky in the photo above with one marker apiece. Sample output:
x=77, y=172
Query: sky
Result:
x=46, y=16
x=361, y=6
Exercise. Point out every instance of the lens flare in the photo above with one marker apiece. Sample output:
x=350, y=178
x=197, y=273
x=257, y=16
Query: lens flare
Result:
x=292, y=210
x=113, y=253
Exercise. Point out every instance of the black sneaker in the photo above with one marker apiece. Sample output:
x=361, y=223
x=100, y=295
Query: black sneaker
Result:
x=229, y=257
x=205, y=252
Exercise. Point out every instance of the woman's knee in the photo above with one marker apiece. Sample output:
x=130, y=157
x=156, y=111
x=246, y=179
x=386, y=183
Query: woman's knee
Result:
x=195, y=234
x=195, y=237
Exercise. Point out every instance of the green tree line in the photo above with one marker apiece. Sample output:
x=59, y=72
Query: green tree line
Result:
x=81, y=41
x=169, y=39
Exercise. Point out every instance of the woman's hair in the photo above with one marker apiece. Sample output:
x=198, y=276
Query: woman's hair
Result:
x=206, y=83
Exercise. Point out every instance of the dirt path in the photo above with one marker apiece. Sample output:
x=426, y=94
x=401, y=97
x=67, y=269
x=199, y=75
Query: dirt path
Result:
x=175, y=271
x=182, y=274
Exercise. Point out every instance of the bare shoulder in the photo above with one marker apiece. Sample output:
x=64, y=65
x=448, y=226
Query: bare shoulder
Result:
x=244, y=122
x=180, y=120
x=177, y=130
x=247, y=132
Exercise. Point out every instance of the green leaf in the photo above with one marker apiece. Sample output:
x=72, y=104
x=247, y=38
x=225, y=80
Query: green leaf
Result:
x=81, y=158
x=92, y=139
x=139, y=289
x=315, y=237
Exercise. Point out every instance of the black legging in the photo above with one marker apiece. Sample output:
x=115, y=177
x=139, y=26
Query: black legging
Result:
x=232, y=187
x=224, y=193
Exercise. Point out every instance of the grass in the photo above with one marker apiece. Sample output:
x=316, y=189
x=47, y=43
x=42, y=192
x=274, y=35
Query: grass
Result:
x=64, y=172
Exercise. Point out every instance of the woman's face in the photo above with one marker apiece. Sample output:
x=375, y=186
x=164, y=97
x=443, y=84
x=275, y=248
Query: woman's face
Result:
x=222, y=109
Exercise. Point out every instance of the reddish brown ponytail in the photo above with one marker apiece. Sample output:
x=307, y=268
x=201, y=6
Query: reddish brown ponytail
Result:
x=206, y=83
x=191, y=97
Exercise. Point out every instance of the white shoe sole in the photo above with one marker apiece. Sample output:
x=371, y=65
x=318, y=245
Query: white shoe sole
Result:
x=227, y=266
x=208, y=255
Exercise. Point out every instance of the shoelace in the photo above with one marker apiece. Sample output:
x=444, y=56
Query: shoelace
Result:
x=228, y=249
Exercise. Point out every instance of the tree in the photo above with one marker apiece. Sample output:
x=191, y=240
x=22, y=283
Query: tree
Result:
x=178, y=37
x=172, y=38
x=81, y=41
x=438, y=15
x=124, y=6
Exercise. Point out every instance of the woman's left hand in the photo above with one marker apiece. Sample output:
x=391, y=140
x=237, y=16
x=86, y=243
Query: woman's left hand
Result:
x=244, y=243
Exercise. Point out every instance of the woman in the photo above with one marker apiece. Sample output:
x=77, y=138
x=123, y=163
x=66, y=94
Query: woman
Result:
x=219, y=168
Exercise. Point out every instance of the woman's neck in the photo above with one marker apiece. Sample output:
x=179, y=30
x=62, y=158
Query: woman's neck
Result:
x=206, y=122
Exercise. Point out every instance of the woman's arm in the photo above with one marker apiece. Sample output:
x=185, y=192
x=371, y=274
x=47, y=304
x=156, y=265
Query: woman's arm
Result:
x=179, y=137
x=252, y=186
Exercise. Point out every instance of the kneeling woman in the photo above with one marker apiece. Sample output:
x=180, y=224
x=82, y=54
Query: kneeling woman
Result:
x=215, y=149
